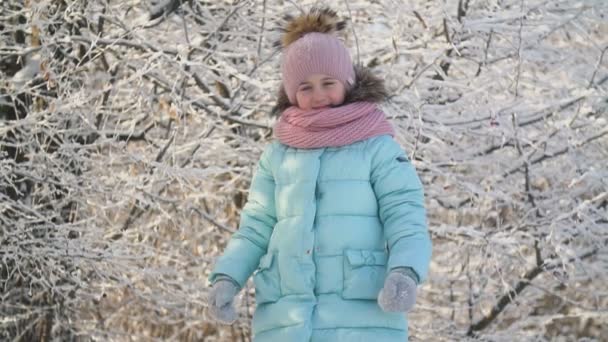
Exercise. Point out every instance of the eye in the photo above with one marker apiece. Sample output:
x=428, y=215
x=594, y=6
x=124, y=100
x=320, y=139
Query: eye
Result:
x=328, y=84
x=306, y=88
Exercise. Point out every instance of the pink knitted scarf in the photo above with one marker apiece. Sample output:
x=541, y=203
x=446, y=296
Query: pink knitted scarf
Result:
x=331, y=127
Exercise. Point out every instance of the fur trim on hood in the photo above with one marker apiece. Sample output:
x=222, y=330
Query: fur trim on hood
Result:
x=368, y=87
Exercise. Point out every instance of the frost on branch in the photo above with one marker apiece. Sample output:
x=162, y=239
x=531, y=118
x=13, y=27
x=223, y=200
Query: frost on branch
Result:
x=129, y=132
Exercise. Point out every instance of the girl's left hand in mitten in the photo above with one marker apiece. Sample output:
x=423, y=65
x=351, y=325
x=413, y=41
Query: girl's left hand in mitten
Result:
x=399, y=292
x=220, y=300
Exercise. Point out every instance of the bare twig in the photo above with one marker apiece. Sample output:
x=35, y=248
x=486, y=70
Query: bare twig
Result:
x=208, y=108
x=547, y=156
x=519, y=48
x=597, y=66
x=419, y=17
x=209, y=218
x=352, y=26
x=508, y=298
x=165, y=9
x=261, y=36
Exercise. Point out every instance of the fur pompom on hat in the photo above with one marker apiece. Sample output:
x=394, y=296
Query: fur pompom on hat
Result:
x=311, y=46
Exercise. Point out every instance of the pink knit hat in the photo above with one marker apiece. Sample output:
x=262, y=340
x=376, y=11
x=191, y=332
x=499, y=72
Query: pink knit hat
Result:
x=311, y=48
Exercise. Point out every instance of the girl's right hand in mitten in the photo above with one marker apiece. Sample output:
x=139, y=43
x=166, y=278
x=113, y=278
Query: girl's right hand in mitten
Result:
x=220, y=300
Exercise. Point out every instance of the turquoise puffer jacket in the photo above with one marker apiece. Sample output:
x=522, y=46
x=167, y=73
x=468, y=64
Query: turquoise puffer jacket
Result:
x=321, y=229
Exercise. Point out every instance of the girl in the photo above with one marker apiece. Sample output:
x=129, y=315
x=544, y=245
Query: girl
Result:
x=335, y=224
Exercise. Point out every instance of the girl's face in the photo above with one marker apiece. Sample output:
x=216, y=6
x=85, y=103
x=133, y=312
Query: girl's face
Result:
x=319, y=91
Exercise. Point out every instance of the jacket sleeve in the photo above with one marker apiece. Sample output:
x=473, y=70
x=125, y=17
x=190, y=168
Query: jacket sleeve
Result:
x=401, y=208
x=258, y=218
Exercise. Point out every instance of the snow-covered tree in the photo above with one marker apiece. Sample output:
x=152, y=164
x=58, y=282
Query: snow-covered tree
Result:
x=129, y=131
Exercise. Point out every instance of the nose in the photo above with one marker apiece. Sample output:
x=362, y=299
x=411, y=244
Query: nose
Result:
x=318, y=95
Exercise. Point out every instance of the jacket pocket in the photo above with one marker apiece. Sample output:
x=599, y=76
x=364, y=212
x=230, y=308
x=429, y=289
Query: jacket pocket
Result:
x=364, y=272
x=266, y=280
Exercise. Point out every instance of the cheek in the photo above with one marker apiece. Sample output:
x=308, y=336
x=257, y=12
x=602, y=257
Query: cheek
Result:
x=302, y=99
x=299, y=97
x=338, y=95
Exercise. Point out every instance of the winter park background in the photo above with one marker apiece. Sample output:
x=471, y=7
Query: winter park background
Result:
x=129, y=131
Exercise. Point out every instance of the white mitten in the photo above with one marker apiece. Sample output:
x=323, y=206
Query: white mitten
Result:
x=220, y=300
x=399, y=291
